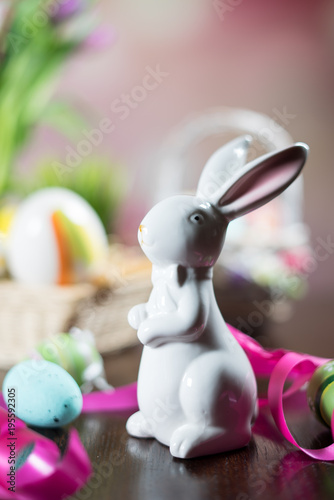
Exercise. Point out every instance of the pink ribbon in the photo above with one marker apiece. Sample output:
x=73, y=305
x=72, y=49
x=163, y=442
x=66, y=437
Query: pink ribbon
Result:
x=278, y=365
x=44, y=474
x=264, y=361
x=123, y=399
x=288, y=363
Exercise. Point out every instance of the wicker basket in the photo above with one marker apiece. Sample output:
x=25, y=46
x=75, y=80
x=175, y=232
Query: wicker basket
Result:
x=30, y=314
x=105, y=313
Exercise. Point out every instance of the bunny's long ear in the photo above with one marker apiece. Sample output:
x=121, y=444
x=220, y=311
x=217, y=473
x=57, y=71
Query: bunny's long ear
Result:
x=221, y=166
x=259, y=181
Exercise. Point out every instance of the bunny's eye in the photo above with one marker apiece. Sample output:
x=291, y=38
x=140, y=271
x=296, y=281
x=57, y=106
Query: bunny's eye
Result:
x=197, y=219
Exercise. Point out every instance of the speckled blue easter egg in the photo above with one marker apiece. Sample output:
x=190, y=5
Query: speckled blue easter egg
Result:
x=43, y=393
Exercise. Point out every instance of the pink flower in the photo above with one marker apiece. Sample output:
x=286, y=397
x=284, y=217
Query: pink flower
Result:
x=67, y=8
x=101, y=37
x=295, y=259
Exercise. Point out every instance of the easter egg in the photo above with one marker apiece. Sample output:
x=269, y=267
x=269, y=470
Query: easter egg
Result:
x=77, y=354
x=43, y=393
x=320, y=392
x=55, y=238
x=2, y=256
x=7, y=211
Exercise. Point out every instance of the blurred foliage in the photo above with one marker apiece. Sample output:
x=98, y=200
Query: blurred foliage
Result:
x=31, y=55
x=101, y=184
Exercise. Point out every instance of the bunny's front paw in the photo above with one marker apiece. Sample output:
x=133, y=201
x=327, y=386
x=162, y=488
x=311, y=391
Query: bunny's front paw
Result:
x=149, y=336
x=137, y=315
x=145, y=333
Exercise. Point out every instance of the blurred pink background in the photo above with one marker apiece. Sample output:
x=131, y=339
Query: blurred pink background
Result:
x=253, y=54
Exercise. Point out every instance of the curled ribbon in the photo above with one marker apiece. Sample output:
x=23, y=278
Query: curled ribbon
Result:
x=281, y=366
x=281, y=372
x=278, y=365
x=43, y=473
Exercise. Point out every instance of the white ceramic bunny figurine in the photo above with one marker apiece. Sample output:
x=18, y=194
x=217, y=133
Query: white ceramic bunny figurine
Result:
x=196, y=388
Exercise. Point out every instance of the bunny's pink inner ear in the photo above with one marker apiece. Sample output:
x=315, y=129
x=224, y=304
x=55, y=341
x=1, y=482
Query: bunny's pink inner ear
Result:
x=262, y=180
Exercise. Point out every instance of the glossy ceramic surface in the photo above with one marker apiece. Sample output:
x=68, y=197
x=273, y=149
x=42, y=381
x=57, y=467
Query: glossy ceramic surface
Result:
x=196, y=389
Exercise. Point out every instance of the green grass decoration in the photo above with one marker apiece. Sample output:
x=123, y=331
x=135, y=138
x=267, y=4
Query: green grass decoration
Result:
x=102, y=185
x=29, y=66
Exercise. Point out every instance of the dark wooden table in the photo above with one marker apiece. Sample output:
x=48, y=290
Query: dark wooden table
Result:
x=269, y=467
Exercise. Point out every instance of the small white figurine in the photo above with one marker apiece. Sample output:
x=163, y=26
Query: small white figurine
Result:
x=196, y=388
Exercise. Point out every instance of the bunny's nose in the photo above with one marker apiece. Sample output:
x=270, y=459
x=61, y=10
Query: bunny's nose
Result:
x=141, y=231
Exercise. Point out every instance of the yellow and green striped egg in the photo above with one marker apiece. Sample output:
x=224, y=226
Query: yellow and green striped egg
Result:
x=320, y=392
